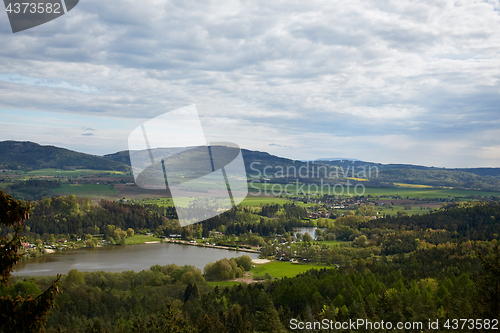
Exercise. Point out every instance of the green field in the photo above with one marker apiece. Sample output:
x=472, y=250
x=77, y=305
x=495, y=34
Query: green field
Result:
x=281, y=269
x=424, y=193
x=140, y=239
x=86, y=190
x=258, y=201
x=73, y=173
x=251, y=201
x=415, y=210
x=277, y=269
x=428, y=193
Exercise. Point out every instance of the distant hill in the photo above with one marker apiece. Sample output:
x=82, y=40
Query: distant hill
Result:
x=494, y=172
x=335, y=159
x=254, y=160
x=29, y=156
x=387, y=175
x=16, y=155
x=120, y=157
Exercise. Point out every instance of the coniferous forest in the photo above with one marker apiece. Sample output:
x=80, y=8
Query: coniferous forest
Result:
x=439, y=267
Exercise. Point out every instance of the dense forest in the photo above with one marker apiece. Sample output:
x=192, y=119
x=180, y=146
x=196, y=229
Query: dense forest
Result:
x=374, y=290
x=71, y=217
x=32, y=189
x=442, y=267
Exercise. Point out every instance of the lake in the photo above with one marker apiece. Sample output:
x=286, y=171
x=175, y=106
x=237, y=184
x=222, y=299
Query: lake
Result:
x=123, y=258
x=310, y=230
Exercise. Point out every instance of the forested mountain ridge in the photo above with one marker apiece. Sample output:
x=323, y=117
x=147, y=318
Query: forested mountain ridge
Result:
x=495, y=172
x=30, y=156
x=16, y=155
x=254, y=160
x=281, y=169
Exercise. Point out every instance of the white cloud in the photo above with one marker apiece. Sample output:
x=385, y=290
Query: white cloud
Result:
x=284, y=72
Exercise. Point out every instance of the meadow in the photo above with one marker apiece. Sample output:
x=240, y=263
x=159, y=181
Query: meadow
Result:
x=414, y=210
x=276, y=269
x=140, y=239
x=416, y=191
x=281, y=269
x=250, y=201
x=73, y=173
x=86, y=190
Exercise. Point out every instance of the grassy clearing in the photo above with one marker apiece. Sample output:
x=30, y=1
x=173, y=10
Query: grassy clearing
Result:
x=281, y=269
x=140, y=239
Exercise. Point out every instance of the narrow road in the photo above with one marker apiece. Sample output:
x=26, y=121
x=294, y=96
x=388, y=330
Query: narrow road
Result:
x=210, y=246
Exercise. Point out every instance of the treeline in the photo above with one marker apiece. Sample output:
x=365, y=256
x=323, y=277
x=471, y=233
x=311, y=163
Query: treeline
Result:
x=480, y=221
x=77, y=216
x=73, y=216
x=264, y=221
x=226, y=269
x=32, y=189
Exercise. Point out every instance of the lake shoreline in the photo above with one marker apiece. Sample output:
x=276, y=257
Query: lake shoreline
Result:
x=123, y=258
x=211, y=246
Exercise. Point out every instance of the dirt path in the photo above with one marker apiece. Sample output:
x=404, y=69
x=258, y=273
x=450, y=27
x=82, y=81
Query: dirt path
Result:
x=247, y=278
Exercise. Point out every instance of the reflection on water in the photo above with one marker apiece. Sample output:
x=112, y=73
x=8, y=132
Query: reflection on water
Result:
x=123, y=258
x=310, y=230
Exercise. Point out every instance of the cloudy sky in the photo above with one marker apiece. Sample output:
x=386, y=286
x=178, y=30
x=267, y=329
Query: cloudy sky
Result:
x=384, y=81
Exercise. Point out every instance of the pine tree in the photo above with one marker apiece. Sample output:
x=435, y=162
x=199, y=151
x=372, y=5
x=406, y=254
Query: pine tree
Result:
x=488, y=285
x=19, y=314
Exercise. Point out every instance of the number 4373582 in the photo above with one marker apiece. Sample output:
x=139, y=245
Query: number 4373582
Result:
x=33, y=8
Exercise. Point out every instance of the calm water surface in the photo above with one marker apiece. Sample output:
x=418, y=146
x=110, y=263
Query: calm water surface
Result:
x=123, y=258
x=310, y=230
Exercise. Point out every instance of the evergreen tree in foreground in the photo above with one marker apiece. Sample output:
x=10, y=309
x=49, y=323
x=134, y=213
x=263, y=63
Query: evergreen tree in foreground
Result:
x=19, y=314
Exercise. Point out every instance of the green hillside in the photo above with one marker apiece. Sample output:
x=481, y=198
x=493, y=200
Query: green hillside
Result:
x=31, y=156
x=15, y=155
